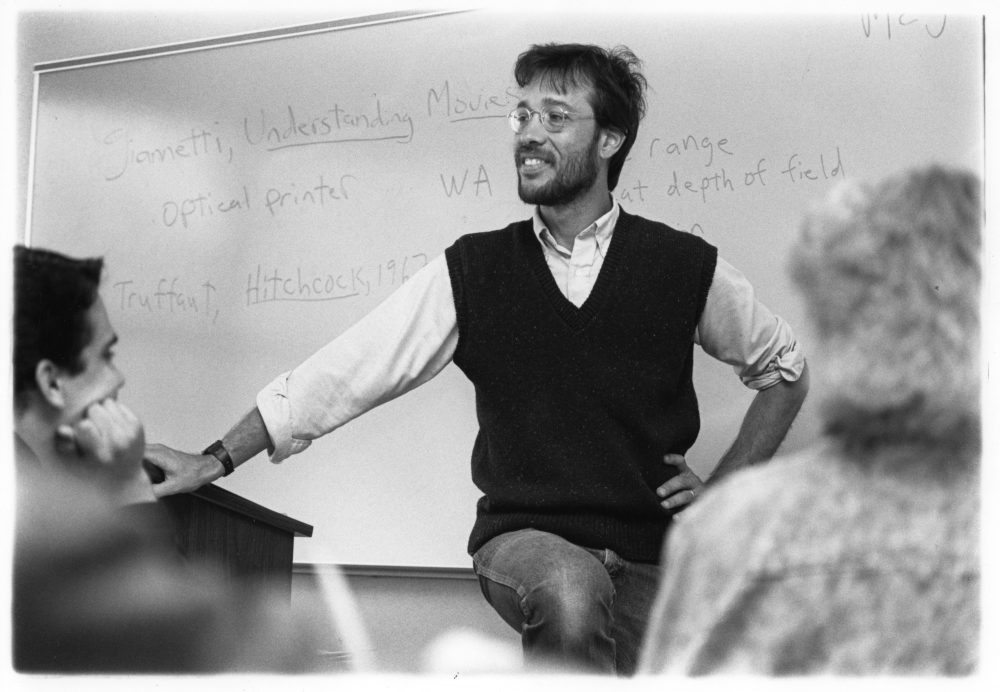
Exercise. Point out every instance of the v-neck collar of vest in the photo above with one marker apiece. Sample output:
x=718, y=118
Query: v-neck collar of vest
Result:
x=577, y=317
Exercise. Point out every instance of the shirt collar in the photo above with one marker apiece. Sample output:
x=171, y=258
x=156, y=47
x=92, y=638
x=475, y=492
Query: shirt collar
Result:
x=601, y=229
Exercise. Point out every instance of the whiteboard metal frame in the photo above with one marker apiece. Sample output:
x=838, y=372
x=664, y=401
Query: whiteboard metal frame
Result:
x=239, y=39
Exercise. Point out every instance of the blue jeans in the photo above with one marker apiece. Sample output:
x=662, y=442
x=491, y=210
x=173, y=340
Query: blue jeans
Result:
x=577, y=609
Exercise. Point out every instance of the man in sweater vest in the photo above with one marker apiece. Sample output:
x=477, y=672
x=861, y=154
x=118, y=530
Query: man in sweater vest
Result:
x=576, y=328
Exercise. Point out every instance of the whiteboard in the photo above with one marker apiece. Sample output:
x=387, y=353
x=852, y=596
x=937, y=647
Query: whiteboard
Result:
x=254, y=198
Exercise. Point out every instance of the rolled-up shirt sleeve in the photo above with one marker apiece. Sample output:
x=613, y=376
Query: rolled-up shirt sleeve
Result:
x=275, y=410
x=402, y=343
x=738, y=329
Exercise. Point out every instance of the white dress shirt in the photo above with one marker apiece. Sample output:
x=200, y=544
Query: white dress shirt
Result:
x=412, y=335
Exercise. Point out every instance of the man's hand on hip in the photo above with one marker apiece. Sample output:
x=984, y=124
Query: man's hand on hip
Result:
x=682, y=489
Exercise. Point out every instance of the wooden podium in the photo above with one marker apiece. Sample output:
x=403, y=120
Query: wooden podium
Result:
x=249, y=542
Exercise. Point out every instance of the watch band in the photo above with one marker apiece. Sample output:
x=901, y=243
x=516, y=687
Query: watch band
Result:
x=217, y=450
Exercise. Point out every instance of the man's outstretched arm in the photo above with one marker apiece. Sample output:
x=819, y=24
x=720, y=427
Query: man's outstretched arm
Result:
x=396, y=347
x=186, y=472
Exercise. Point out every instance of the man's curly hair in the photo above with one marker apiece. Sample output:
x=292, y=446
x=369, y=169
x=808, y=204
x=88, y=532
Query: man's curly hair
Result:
x=619, y=88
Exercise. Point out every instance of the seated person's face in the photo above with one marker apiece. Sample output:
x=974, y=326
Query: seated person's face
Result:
x=99, y=379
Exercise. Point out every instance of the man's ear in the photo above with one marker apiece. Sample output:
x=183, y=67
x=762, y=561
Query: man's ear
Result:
x=611, y=141
x=48, y=377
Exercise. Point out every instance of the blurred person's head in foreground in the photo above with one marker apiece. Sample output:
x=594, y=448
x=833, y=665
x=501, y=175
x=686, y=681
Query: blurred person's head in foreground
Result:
x=891, y=277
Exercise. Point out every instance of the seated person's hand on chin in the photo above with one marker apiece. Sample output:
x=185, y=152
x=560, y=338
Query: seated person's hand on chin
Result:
x=107, y=443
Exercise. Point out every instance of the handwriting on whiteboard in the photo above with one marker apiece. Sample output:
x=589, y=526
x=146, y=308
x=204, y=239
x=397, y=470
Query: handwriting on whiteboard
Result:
x=119, y=151
x=891, y=26
x=295, y=284
x=458, y=106
x=319, y=192
x=293, y=128
x=679, y=172
x=166, y=296
x=178, y=297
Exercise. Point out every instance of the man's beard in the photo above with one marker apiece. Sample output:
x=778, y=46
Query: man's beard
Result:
x=577, y=175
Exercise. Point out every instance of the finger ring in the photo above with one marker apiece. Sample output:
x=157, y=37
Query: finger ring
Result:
x=693, y=494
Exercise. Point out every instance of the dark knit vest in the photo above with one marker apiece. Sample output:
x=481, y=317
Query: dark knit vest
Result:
x=577, y=406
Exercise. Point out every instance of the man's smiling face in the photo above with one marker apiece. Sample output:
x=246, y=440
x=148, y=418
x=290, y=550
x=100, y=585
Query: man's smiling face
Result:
x=554, y=168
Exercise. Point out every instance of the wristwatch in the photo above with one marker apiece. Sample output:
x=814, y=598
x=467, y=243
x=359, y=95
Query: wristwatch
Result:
x=217, y=450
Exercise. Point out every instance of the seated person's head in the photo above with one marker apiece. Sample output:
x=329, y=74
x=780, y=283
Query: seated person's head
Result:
x=63, y=345
x=891, y=276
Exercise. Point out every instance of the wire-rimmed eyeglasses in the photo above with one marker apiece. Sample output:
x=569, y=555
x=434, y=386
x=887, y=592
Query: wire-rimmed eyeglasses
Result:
x=552, y=119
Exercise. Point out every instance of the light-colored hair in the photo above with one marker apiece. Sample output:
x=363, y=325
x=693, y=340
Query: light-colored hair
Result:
x=891, y=278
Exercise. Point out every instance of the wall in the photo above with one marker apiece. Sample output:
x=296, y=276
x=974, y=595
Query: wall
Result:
x=407, y=613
